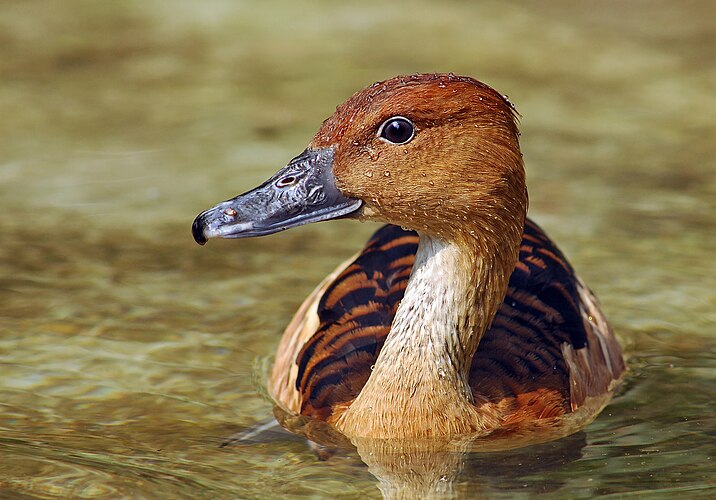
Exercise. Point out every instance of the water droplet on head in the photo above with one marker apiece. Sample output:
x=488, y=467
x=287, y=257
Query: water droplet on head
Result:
x=387, y=174
x=369, y=173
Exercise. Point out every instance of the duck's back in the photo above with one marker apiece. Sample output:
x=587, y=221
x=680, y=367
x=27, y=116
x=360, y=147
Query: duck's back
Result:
x=547, y=350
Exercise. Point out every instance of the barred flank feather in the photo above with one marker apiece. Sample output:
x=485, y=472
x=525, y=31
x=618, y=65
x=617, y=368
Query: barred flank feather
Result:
x=522, y=358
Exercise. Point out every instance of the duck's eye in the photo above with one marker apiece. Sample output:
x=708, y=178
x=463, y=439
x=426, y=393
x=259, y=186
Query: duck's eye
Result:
x=397, y=130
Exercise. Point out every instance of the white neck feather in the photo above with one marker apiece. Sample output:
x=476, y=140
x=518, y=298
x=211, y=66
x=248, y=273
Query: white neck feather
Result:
x=423, y=367
x=426, y=329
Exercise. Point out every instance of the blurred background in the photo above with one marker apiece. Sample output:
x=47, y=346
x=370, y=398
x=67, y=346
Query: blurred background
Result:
x=128, y=353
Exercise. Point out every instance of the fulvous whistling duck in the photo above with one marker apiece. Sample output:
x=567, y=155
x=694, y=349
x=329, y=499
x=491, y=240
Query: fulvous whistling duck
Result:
x=460, y=316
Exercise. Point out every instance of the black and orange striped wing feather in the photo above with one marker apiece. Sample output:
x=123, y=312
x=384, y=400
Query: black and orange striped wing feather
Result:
x=520, y=353
x=355, y=314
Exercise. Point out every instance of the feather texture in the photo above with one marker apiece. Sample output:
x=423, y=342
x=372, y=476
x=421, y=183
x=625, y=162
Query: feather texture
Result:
x=547, y=350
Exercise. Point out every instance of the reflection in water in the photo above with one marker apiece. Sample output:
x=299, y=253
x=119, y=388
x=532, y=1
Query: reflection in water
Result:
x=442, y=470
x=437, y=468
x=443, y=467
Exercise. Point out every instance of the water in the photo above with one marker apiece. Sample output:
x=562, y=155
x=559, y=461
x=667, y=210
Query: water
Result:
x=128, y=353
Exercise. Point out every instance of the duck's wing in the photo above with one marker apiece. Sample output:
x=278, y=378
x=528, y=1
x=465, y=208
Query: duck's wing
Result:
x=328, y=349
x=548, y=349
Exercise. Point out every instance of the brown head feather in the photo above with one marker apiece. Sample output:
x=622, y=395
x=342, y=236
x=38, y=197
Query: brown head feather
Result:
x=464, y=162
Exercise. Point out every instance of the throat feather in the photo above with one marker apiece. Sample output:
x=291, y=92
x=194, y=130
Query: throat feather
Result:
x=429, y=329
x=421, y=376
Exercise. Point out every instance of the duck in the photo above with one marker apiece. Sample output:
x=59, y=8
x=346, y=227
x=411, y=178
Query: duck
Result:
x=460, y=316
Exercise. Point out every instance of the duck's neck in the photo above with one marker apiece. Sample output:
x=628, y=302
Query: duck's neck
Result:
x=419, y=385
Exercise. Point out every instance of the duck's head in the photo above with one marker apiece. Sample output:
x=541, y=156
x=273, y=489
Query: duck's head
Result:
x=436, y=153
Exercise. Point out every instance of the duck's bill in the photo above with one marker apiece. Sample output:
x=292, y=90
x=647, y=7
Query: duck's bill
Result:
x=302, y=192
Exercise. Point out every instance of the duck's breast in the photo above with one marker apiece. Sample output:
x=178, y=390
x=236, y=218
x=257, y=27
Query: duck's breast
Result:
x=548, y=349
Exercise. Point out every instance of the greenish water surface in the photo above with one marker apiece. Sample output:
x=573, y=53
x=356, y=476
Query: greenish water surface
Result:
x=128, y=353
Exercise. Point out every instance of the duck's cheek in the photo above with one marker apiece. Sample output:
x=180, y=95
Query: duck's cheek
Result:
x=375, y=210
x=370, y=213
